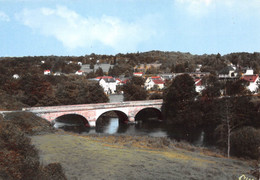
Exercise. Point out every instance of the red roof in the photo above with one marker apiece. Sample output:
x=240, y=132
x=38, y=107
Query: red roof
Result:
x=156, y=77
x=198, y=82
x=250, y=78
x=47, y=70
x=138, y=72
x=104, y=77
x=158, y=81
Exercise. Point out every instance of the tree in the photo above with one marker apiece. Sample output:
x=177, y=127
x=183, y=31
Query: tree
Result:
x=134, y=92
x=245, y=142
x=178, y=98
x=212, y=86
x=236, y=88
x=235, y=113
x=137, y=81
x=99, y=72
x=91, y=66
x=179, y=68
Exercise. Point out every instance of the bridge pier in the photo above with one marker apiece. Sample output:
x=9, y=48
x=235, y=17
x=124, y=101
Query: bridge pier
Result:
x=131, y=119
x=92, y=123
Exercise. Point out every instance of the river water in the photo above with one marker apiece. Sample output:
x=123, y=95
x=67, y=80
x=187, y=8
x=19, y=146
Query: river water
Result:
x=143, y=128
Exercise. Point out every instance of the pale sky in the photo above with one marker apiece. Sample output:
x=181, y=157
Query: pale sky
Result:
x=80, y=27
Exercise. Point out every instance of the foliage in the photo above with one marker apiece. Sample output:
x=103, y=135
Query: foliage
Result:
x=178, y=98
x=237, y=88
x=29, y=123
x=18, y=158
x=212, y=86
x=235, y=112
x=134, y=92
x=245, y=142
x=156, y=96
x=139, y=81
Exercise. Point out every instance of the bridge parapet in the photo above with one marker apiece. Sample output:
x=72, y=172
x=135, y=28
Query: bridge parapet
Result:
x=93, y=106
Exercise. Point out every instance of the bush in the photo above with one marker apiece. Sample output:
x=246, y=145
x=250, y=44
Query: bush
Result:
x=18, y=158
x=29, y=123
x=245, y=142
x=52, y=171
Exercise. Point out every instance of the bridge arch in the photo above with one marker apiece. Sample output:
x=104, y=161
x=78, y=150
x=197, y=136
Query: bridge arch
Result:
x=122, y=116
x=71, y=119
x=149, y=114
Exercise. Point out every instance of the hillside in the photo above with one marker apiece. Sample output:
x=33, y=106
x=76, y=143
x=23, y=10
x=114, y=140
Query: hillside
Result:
x=124, y=157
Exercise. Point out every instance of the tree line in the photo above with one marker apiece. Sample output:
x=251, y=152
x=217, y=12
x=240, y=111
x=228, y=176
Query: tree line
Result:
x=231, y=120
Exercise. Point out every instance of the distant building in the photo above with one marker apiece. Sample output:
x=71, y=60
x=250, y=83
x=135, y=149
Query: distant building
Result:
x=16, y=76
x=80, y=63
x=252, y=79
x=154, y=82
x=47, y=72
x=79, y=72
x=166, y=77
x=198, y=85
x=138, y=74
x=57, y=74
x=108, y=83
x=227, y=72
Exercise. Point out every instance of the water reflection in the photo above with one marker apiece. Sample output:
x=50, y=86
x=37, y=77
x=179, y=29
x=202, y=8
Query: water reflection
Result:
x=152, y=128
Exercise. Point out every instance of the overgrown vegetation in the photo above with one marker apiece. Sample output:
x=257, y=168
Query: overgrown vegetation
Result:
x=18, y=158
x=233, y=119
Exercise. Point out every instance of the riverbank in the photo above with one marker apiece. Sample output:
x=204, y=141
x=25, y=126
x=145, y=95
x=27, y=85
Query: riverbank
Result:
x=134, y=157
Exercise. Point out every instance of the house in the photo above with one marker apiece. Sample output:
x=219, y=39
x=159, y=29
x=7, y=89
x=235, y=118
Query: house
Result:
x=252, y=79
x=227, y=72
x=166, y=77
x=198, y=85
x=138, y=74
x=47, y=72
x=108, y=83
x=79, y=72
x=155, y=82
x=16, y=76
x=57, y=74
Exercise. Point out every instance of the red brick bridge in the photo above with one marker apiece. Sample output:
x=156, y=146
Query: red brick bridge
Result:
x=126, y=111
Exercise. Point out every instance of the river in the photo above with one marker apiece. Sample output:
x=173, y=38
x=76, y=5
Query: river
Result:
x=111, y=125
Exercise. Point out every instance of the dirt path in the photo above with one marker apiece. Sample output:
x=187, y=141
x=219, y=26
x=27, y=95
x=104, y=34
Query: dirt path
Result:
x=94, y=158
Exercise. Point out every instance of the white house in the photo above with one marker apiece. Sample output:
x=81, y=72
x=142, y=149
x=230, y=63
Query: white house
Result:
x=228, y=72
x=108, y=83
x=253, y=80
x=198, y=85
x=47, y=72
x=138, y=74
x=16, y=76
x=154, y=82
x=57, y=74
x=79, y=72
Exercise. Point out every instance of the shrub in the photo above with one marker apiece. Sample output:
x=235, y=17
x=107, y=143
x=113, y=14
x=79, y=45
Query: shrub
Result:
x=245, y=142
x=29, y=123
x=18, y=158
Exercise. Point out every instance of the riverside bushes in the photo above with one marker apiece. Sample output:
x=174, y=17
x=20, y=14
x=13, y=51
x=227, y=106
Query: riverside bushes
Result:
x=18, y=157
x=245, y=142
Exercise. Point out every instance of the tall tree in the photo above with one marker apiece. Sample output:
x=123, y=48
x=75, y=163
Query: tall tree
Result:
x=178, y=98
x=212, y=86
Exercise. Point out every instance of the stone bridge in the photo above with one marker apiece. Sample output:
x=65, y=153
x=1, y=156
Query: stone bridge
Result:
x=126, y=111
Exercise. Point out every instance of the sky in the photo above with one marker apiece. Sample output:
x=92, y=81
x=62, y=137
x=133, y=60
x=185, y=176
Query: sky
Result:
x=81, y=27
